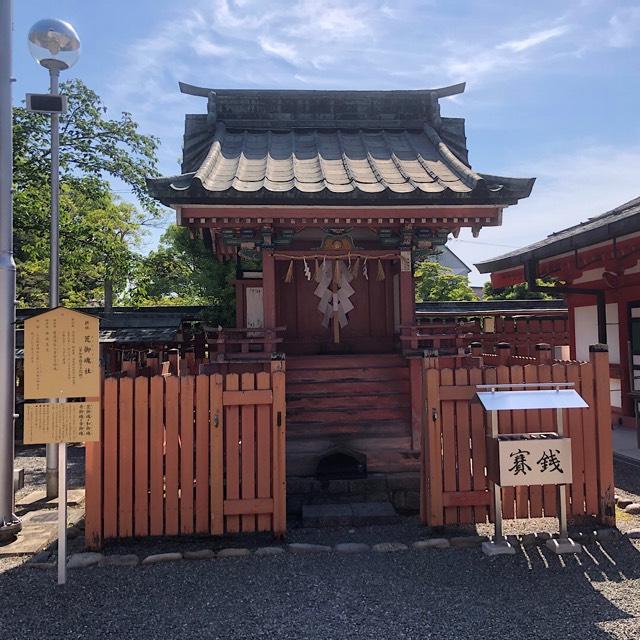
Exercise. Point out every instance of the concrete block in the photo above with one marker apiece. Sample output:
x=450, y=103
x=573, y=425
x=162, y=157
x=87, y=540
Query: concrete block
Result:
x=269, y=551
x=352, y=547
x=304, y=548
x=560, y=547
x=502, y=548
x=233, y=553
x=157, y=558
x=83, y=560
x=18, y=479
x=199, y=554
x=389, y=547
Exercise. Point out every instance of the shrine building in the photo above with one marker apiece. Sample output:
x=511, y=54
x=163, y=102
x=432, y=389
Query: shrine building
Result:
x=597, y=267
x=324, y=201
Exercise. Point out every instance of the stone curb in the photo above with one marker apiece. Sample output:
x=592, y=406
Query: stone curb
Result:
x=89, y=559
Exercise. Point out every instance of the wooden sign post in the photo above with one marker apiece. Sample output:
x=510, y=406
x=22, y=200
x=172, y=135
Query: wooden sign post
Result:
x=61, y=362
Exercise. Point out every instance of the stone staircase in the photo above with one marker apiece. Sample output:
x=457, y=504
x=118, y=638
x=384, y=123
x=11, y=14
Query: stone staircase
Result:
x=348, y=403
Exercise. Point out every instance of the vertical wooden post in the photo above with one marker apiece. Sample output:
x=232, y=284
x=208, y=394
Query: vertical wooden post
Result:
x=174, y=362
x=476, y=354
x=415, y=378
x=543, y=353
x=431, y=480
x=93, y=489
x=407, y=297
x=269, y=295
x=279, y=416
x=599, y=357
x=503, y=351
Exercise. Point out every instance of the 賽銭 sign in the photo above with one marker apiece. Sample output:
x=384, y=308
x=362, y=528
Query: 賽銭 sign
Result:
x=46, y=423
x=533, y=461
x=61, y=355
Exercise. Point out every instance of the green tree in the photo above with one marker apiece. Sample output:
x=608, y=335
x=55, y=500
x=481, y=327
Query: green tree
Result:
x=98, y=232
x=183, y=271
x=518, y=292
x=435, y=282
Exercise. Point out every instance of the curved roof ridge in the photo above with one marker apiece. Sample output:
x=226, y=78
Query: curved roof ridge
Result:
x=468, y=175
x=440, y=92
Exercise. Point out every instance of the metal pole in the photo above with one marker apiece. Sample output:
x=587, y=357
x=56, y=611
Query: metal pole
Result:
x=54, y=295
x=9, y=523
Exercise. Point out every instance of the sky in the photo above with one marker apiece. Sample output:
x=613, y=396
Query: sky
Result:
x=553, y=87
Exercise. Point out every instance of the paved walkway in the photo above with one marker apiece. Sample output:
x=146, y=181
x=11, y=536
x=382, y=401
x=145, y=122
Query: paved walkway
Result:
x=625, y=445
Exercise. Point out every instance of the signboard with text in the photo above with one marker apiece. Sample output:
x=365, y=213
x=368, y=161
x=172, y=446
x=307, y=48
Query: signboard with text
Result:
x=532, y=461
x=46, y=423
x=61, y=355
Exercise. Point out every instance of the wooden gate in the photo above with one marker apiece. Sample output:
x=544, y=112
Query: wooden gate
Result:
x=188, y=454
x=454, y=483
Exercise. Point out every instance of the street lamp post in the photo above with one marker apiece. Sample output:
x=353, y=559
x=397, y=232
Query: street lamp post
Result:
x=55, y=45
x=9, y=524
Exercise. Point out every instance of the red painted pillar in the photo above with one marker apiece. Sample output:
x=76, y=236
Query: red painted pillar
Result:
x=407, y=296
x=269, y=296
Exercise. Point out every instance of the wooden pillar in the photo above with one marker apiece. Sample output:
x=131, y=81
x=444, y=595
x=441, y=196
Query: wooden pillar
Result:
x=269, y=295
x=407, y=296
x=599, y=357
x=543, y=353
x=503, y=351
x=417, y=401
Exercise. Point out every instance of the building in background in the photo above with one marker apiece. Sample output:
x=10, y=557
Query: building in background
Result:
x=598, y=262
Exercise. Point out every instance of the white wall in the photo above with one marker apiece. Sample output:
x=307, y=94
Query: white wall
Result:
x=586, y=323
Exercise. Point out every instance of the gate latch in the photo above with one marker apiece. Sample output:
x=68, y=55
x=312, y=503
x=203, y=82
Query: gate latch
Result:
x=279, y=418
x=215, y=421
x=434, y=414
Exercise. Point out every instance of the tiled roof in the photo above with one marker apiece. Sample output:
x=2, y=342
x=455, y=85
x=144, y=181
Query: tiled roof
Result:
x=620, y=221
x=338, y=161
x=331, y=145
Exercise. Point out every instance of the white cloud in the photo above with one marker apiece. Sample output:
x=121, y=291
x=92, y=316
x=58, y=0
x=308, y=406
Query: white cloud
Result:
x=207, y=48
x=570, y=188
x=624, y=28
x=281, y=50
x=533, y=40
x=476, y=63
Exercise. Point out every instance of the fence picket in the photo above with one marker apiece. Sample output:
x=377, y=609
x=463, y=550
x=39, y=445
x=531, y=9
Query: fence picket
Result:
x=503, y=375
x=110, y=474
x=186, y=455
x=172, y=455
x=141, y=457
x=449, y=446
x=248, y=451
x=232, y=452
x=263, y=451
x=202, y=454
x=125, y=458
x=156, y=457
x=533, y=425
x=217, y=455
x=479, y=448
x=463, y=439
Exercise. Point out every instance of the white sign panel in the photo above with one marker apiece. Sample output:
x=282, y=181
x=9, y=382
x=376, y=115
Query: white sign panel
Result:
x=534, y=461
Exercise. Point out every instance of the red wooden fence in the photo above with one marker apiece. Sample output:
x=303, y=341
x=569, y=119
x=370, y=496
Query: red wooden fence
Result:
x=455, y=487
x=192, y=454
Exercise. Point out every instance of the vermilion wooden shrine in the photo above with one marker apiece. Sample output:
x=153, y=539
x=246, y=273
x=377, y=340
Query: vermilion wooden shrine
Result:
x=325, y=200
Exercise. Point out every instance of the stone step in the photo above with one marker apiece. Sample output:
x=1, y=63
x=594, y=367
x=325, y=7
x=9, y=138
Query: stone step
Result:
x=349, y=415
x=345, y=361
x=311, y=402
x=348, y=387
x=345, y=515
x=354, y=374
x=353, y=427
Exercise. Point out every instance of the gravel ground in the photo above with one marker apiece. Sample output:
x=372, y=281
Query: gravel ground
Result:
x=440, y=594
x=451, y=593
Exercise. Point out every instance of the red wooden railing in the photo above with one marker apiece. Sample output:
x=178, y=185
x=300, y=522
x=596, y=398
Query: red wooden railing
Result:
x=455, y=485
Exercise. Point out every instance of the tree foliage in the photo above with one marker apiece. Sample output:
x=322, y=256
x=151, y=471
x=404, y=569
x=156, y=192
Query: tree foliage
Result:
x=518, y=292
x=183, y=271
x=435, y=282
x=98, y=232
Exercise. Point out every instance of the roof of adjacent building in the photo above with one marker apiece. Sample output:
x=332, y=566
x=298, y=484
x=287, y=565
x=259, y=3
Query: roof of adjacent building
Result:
x=277, y=146
x=492, y=307
x=620, y=221
x=128, y=326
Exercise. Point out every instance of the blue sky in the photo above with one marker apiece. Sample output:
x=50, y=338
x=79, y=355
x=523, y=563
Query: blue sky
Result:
x=553, y=87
